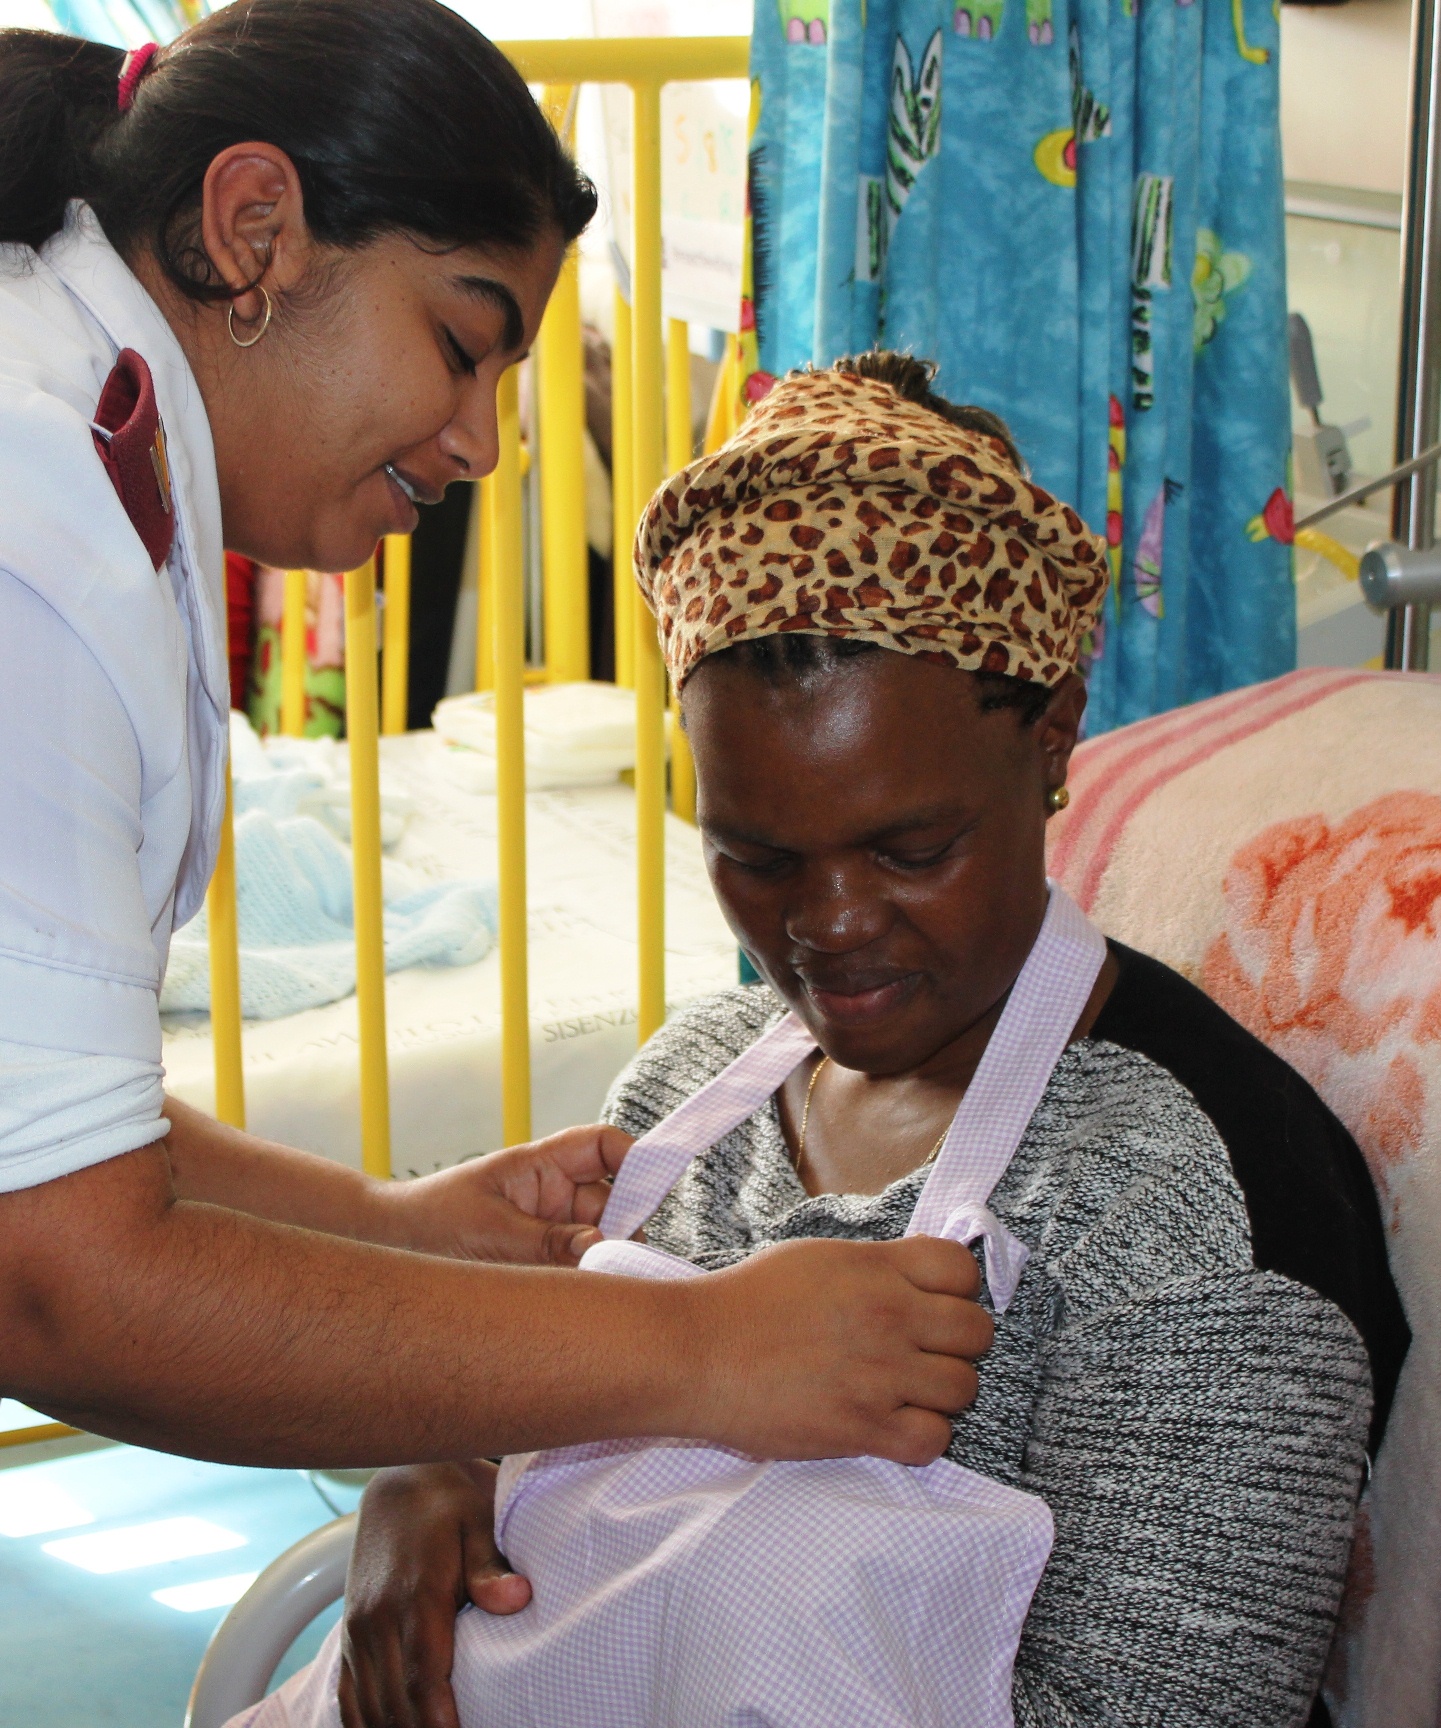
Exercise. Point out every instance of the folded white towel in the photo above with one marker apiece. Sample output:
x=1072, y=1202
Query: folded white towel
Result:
x=575, y=735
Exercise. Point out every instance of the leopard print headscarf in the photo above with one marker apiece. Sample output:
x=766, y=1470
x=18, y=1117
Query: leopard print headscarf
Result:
x=841, y=509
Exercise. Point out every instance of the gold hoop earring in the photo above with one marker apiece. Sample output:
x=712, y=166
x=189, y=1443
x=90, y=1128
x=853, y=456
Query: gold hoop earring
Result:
x=264, y=322
x=1057, y=799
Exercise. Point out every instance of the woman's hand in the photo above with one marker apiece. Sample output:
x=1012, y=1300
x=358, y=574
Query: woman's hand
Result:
x=536, y=1204
x=425, y=1546
x=874, y=1356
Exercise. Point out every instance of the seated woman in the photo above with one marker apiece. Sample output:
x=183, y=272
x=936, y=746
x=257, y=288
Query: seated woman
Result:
x=875, y=620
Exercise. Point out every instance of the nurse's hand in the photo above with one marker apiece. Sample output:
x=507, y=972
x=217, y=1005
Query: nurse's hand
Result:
x=536, y=1204
x=825, y=1348
x=425, y=1546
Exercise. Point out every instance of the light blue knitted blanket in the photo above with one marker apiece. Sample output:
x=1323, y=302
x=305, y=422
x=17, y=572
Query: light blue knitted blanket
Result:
x=297, y=922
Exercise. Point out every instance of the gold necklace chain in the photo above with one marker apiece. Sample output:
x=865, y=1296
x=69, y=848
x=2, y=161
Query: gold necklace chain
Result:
x=806, y=1117
x=806, y=1112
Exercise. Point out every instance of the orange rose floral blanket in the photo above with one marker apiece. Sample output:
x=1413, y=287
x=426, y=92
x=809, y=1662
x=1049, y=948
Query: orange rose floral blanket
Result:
x=1281, y=846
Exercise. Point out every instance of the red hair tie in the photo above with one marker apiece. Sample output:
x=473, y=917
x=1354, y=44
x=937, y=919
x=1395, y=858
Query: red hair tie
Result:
x=132, y=69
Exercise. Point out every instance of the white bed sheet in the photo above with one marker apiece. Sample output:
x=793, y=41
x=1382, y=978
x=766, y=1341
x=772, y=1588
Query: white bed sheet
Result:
x=301, y=1073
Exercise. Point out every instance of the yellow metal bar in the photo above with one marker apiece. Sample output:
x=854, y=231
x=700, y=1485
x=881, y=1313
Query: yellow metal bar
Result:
x=292, y=656
x=362, y=729
x=561, y=403
x=509, y=616
x=721, y=419
x=679, y=445
x=678, y=435
x=622, y=459
x=395, y=661
x=648, y=368
x=682, y=767
x=485, y=533
x=38, y=1431
x=629, y=59
x=558, y=103
x=225, y=974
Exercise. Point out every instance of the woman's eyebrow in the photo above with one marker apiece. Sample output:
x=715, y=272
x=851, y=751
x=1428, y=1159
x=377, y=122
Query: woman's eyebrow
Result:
x=916, y=821
x=942, y=816
x=496, y=294
x=742, y=837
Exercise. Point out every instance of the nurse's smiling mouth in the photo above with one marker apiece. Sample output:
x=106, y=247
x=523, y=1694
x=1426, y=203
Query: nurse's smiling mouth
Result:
x=407, y=492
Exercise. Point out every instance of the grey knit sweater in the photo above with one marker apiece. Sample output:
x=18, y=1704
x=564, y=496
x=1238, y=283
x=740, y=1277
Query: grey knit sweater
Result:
x=1196, y=1421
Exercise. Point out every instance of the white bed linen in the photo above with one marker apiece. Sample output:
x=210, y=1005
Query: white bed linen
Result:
x=444, y=1024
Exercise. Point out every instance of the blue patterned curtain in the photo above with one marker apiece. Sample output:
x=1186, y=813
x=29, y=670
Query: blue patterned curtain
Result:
x=1075, y=208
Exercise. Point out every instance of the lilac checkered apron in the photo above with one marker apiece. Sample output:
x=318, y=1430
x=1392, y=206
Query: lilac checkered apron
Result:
x=682, y=1586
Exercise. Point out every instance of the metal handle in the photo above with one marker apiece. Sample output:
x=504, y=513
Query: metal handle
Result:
x=1359, y=494
x=1393, y=575
x=1418, y=394
x=1304, y=376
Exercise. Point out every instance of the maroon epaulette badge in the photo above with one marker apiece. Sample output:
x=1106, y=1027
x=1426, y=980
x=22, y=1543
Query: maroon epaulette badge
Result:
x=131, y=442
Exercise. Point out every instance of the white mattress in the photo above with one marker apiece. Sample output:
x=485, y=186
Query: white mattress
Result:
x=444, y=1023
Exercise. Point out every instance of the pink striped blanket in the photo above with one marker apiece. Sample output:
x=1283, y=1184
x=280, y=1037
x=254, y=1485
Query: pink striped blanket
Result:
x=1281, y=846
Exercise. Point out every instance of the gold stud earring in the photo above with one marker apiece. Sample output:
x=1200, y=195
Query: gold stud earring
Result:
x=1057, y=799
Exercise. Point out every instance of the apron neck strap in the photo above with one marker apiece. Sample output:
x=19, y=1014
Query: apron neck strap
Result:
x=1041, y=1012
x=658, y=1159
x=1044, y=1005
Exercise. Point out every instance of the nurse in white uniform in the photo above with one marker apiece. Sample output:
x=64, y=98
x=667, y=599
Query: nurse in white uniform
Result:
x=256, y=291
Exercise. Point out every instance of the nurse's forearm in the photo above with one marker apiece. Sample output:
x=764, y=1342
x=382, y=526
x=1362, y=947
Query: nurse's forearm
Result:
x=533, y=1205
x=199, y=1329
x=196, y=1328
x=225, y=1166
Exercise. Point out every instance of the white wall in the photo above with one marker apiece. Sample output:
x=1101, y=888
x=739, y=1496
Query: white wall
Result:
x=25, y=15
x=501, y=18
x=1345, y=81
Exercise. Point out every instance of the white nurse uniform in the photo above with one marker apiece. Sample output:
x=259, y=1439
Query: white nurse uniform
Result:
x=114, y=696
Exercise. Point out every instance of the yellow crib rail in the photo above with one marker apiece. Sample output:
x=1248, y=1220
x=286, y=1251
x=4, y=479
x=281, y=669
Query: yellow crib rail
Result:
x=35, y=1433
x=560, y=417
x=679, y=445
x=225, y=1022
x=651, y=435
x=362, y=712
x=395, y=660
x=502, y=489
x=648, y=457
x=623, y=511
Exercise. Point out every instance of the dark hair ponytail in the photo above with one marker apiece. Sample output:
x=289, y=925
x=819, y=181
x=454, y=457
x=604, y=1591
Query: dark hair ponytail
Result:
x=57, y=96
x=398, y=116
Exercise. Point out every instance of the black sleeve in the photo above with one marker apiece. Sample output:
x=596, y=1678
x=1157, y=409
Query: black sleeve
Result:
x=1312, y=1205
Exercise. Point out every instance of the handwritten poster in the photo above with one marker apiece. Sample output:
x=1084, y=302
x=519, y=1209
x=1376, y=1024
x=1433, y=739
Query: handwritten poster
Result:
x=703, y=180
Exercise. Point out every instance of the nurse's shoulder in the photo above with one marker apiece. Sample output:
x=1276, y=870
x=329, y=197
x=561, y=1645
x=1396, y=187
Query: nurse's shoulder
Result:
x=49, y=345
x=62, y=506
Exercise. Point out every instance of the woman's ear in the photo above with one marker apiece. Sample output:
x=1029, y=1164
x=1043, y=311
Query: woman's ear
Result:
x=1059, y=728
x=253, y=225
